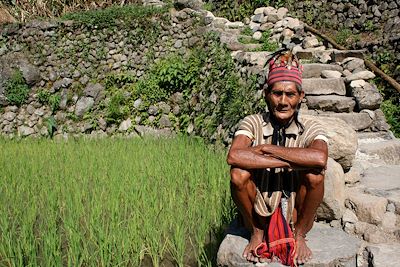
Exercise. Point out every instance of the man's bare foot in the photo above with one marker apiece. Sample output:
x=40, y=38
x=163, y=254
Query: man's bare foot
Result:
x=303, y=253
x=255, y=240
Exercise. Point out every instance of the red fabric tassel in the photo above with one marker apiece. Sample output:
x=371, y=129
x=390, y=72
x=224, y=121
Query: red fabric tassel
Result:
x=279, y=241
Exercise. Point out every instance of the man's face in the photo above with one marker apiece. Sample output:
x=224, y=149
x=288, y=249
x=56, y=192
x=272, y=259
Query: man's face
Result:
x=283, y=99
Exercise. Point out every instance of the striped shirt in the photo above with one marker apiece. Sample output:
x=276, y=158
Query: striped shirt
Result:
x=276, y=183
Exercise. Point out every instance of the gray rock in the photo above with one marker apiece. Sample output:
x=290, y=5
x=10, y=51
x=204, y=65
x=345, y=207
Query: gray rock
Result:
x=380, y=124
x=164, y=121
x=314, y=70
x=367, y=96
x=353, y=175
x=330, y=247
x=149, y=131
x=125, y=125
x=177, y=98
x=331, y=74
x=257, y=35
x=25, y=131
x=349, y=216
x=83, y=105
x=9, y=116
x=234, y=25
x=310, y=41
x=64, y=83
x=331, y=103
x=353, y=63
x=30, y=73
x=164, y=107
x=155, y=3
x=258, y=18
x=153, y=110
x=385, y=255
x=342, y=140
x=102, y=124
x=293, y=23
x=362, y=75
x=93, y=90
x=316, y=86
x=137, y=103
x=332, y=206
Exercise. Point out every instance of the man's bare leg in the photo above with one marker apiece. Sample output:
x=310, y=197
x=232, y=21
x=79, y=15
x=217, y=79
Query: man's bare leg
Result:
x=308, y=198
x=243, y=192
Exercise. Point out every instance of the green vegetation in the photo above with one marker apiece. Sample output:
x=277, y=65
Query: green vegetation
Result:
x=52, y=100
x=345, y=37
x=112, y=202
x=114, y=15
x=24, y=10
x=191, y=74
x=16, y=89
x=267, y=44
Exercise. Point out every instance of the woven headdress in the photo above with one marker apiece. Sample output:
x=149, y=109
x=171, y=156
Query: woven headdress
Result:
x=285, y=67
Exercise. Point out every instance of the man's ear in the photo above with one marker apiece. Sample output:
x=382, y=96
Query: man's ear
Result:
x=302, y=94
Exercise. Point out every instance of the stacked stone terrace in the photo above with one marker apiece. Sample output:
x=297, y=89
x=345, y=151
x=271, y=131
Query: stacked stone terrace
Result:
x=360, y=212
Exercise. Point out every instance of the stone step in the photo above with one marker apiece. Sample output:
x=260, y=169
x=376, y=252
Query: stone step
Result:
x=333, y=103
x=383, y=181
x=357, y=121
x=330, y=247
x=314, y=70
x=388, y=150
x=318, y=86
x=333, y=55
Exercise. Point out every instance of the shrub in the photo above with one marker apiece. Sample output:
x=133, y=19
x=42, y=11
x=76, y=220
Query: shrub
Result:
x=392, y=114
x=16, y=89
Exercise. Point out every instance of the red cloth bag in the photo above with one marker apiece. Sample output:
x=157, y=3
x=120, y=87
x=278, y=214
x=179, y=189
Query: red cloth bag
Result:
x=279, y=241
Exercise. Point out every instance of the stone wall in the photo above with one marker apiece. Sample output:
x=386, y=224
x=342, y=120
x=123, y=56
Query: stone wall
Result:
x=376, y=22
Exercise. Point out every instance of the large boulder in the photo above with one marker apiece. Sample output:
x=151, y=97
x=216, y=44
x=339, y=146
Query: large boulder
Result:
x=330, y=247
x=332, y=205
x=342, y=139
x=318, y=86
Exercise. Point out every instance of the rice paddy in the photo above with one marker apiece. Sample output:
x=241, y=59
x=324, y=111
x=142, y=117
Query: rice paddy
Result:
x=112, y=202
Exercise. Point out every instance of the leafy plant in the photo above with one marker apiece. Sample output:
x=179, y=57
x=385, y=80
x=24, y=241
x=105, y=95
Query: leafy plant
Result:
x=51, y=126
x=267, y=44
x=392, y=114
x=16, y=89
x=54, y=102
x=43, y=96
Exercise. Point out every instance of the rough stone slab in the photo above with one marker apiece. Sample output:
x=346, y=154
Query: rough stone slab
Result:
x=362, y=75
x=314, y=70
x=331, y=103
x=383, y=255
x=357, y=121
x=318, y=86
x=388, y=151
x=330, y=247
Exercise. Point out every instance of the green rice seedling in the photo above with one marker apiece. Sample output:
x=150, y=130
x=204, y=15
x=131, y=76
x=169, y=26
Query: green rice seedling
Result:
x=111, y=202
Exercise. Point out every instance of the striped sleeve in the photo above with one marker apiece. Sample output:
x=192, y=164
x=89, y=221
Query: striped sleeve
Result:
x=313, y=131
x=246, y=127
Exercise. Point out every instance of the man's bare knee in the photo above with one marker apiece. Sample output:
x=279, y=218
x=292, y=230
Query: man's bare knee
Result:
x=239, y=177
x=314, y=179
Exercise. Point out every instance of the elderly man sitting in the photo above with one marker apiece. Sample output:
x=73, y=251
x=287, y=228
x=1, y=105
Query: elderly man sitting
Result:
x=277, y=169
